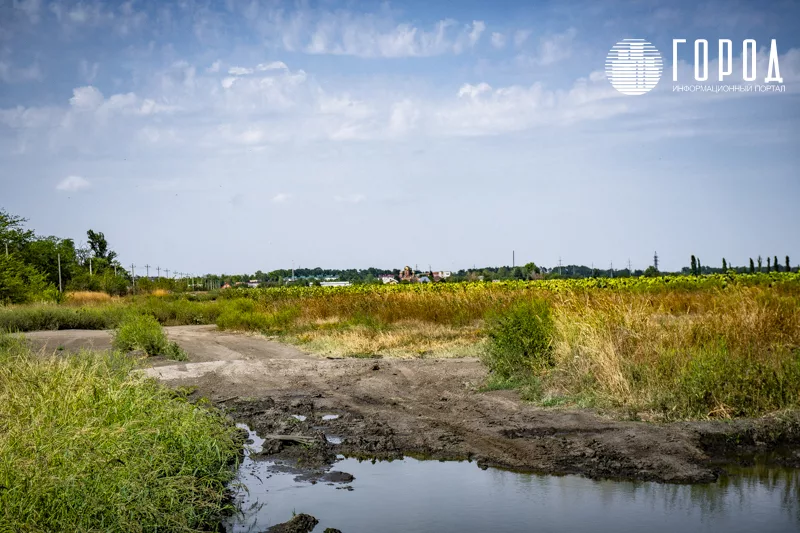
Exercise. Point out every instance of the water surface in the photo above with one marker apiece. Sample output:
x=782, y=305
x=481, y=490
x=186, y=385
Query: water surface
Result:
x=432, y=496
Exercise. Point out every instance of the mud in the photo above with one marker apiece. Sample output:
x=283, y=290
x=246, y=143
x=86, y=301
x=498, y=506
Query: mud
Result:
x=434, y=409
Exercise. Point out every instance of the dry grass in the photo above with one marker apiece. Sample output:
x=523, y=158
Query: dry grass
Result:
x=160, y=292
x=88, y=298
x=639, y=352
x=406, y=339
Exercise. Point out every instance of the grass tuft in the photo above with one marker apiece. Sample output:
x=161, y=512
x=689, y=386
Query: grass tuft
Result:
x=89, y=444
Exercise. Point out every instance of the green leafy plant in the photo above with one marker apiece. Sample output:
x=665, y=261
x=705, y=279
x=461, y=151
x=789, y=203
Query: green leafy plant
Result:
x=143, y=332
x=520, y=339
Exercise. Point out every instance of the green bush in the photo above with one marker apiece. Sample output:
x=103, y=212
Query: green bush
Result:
x=20, y=282
x=520, y=339
x=143, y=332
x=88, y=445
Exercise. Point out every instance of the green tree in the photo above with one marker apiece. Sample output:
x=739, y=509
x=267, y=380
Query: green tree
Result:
x=531, y=270
x=13, y=236
x=20, y=282
x=724, y=265
x=699, y=267
x=99, y=246
x=752, y=266
x=775, y=264
x=694, y=265
x=769, y=261
x=651, y=272
x=788, y=265
x=759, y=264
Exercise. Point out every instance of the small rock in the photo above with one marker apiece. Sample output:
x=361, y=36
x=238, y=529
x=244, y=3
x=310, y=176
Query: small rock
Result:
x=302, y=523
x=376, y=367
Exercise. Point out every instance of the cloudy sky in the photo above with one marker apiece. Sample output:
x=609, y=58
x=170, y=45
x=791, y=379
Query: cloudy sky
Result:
x=242, y=135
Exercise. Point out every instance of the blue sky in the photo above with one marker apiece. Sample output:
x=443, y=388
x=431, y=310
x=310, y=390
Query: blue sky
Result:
x=243, y=135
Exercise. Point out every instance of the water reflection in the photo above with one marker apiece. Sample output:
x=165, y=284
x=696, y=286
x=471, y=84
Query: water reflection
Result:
x=412, y=495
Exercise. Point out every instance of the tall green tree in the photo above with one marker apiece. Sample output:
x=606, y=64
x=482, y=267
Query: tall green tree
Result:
x=694, y=265
x=699, y=267
x=99, y=246
x=13, y=235
x=769, y=260
x=724, y=265
x=752, y=266
x=788, y=265
x=759, y=264
x=775, y=264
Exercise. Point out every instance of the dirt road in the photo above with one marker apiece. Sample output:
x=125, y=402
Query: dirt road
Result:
x=433, y=408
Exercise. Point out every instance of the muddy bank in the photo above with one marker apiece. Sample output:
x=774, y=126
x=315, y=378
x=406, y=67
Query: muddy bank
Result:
x=518, y=438
x=431, y=408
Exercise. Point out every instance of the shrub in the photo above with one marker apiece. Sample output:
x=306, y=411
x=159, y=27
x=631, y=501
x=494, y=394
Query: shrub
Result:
x=143, y=332
x=520, y=339
x=20, y=282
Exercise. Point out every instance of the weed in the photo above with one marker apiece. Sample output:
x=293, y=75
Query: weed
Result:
x=520, y=339
x=143, y=332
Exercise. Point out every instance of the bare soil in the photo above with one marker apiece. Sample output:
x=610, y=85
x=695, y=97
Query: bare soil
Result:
x=388, y=408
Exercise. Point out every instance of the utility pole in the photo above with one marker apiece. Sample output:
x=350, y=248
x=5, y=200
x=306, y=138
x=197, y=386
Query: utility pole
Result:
x=655, y=261
x=167, y=271
x=158, y=271
x=133, y=277
x=612, y=269
x=59, y=273
x=630, y=271
x=147, y=269
x=513, y=259
x=90, y=265
x=559, y=265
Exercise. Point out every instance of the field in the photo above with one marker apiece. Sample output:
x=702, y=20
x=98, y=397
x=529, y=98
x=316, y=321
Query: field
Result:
x=717, y=346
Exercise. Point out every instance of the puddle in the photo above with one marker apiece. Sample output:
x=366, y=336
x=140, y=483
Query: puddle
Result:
x=333, y=439
x=301, y=418
x=330, y=417
x=433, y=496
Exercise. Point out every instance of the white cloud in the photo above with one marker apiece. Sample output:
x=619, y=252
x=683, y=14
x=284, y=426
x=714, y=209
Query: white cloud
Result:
x=498, y=40
x=520, y=36
x=350, y=198
x=556, y=47
x=11, y=74
x=215, y=66
x=72, y=183
x=86, y=98
x=239, y=71
x=30, y=8
x=88, y=71
x=275, y=65
x=281, y=198
x=367, y=35
x=478, y=27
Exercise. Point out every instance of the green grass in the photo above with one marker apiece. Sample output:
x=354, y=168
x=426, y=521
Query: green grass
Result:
x=143, y=332
x=88, y=445
x=520, y=339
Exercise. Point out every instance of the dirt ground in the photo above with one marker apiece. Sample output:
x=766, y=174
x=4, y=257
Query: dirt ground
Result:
x=433, y=408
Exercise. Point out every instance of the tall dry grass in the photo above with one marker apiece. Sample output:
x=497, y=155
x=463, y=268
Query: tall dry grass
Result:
x=87, y=298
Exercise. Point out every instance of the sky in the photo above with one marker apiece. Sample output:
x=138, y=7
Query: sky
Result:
x=236, y=136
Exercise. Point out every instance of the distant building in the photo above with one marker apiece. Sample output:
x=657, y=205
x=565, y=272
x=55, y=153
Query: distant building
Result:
x=387, y=278
x=335, y=284
x=253, y=283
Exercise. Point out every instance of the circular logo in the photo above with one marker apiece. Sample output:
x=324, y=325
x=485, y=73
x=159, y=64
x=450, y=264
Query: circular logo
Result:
x=633, y=66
